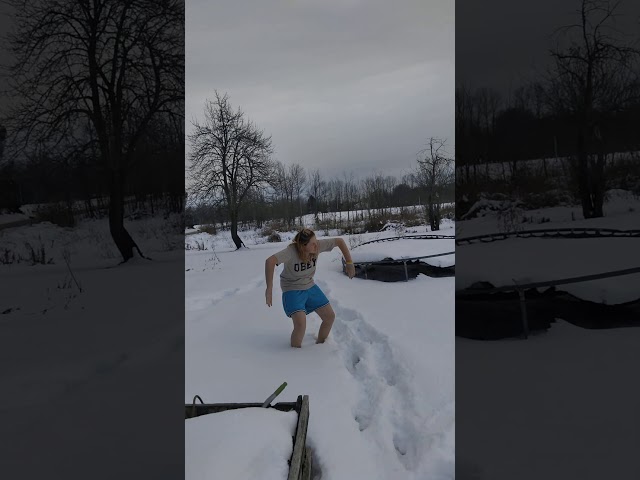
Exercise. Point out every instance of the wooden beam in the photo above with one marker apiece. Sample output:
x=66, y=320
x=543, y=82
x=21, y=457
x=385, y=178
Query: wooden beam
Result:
x=305, y=474
x=300, y=440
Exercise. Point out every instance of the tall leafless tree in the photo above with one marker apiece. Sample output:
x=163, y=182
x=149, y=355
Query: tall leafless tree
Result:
x=595, y=73
x=114, y=65
x=297, y=178
x=229, y=156
x=316, y=190
x=350, y=193
x=435, y=171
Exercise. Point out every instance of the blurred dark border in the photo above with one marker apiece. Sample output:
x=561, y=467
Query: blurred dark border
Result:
x=124, y=420
x=513, y=105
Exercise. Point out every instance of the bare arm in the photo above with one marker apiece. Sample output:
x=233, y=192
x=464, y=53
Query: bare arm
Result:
x=269, y=268
x=341, y=244
x=350, y=269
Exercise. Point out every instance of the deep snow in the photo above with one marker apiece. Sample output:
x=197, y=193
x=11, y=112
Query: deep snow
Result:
x=562, y=403
x=86, y=351
x=381, y=388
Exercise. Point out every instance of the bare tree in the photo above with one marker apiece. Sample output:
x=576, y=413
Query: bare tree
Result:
x=350, y=192
x=435, y=171
x=315, y=190
x=336, y=198
x=298, y=180
x=229, y=156
x=277, y=181
x=288, y=184
x=113, y=65
x=593, y=76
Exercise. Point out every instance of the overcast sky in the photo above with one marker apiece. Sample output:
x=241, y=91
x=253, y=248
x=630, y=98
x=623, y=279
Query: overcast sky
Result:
x=502, y=43
x=340, y=85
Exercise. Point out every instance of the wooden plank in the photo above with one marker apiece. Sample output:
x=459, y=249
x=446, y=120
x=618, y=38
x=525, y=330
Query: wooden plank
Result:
x=204, y=409
x=305, y=473
x=300, y=440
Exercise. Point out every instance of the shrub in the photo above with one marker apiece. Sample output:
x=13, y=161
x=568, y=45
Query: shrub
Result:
x=38, y=254
x=7, y=257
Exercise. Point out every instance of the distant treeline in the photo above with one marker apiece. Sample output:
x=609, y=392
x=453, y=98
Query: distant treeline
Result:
x=375, y=195
x=490, y=128
x=156, y=175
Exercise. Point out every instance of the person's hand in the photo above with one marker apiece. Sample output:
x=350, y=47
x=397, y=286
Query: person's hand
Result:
x=267, y=295
x=351, y=270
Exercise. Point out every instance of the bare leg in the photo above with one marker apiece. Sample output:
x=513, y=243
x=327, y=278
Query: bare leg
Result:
x=327, y=315
x=299, y=326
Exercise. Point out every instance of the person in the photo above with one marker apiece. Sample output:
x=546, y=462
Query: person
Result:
x=300, y=295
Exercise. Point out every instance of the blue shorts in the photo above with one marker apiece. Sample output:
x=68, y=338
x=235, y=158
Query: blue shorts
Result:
x=303, y=300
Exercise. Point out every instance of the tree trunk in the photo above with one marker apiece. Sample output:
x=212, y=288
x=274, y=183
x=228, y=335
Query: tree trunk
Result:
x=437, y=218
x=120, y=236
x=591, y=180
x=234, y=230
x=583, y=185
x=598, y=186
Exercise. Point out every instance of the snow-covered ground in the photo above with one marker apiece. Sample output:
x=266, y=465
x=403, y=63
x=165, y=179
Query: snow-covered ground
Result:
x=526, y=260
x=564, y=403
x=86, y=350
x=381, y=389
x=239, y=444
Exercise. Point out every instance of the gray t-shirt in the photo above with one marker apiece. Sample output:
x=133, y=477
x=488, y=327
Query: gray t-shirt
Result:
x=298, y=275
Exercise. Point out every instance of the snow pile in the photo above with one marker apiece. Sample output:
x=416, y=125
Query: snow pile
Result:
x=616, y=195
x=484, y=207
x=239, y=444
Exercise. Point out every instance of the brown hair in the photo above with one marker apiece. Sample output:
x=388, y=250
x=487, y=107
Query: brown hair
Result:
x=300, y=240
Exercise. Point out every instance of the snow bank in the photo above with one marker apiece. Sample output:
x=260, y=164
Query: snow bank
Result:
x=239, y=444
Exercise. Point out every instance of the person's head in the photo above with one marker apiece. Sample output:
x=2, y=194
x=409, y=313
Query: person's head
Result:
x=306, y=244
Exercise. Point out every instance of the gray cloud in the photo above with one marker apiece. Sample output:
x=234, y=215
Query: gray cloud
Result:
x=503, y=44
x=340, y=85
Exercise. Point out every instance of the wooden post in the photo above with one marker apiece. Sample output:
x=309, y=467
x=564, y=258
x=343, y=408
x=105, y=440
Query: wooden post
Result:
x=406, y=273
x=305, y=473
x=300, y=439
